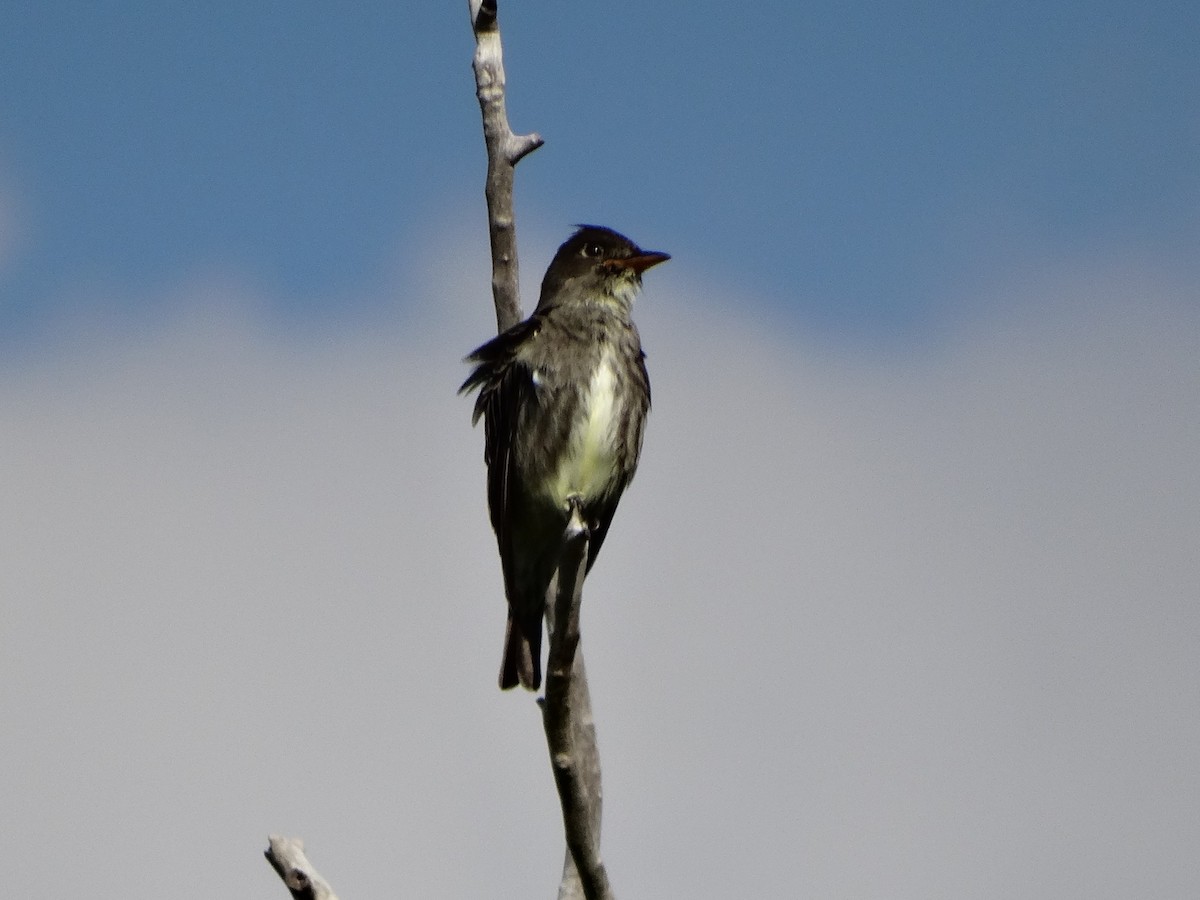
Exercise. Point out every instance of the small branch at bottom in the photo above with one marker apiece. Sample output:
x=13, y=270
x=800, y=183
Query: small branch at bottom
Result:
x=286, y=856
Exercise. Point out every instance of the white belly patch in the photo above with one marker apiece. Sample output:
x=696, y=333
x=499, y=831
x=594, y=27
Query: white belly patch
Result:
x=588, y=468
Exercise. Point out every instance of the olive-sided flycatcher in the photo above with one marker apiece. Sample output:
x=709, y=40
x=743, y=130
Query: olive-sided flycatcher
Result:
x=564, y=397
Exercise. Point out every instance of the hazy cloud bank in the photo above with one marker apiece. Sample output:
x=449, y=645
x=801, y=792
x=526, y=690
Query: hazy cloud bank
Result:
x=913, y=626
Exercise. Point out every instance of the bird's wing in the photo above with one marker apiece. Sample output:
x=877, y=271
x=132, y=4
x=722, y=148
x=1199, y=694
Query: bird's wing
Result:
x=505, y=384
x=493, y=361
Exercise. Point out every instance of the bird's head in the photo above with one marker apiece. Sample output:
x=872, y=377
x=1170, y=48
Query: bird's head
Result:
x=597, y=264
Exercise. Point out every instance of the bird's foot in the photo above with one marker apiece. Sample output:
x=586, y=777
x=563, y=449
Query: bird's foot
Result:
x=577, y=523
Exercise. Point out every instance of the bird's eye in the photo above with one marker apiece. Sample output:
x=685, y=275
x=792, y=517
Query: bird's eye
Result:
x=591, y=250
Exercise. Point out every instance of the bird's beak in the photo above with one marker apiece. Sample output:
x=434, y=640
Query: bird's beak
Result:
x=643, y=261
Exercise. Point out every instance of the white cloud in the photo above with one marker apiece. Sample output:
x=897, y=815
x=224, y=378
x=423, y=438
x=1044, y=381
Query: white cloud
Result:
x=910, y=627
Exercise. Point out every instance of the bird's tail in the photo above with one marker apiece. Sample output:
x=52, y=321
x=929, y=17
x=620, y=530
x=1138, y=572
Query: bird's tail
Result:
x=522, y=662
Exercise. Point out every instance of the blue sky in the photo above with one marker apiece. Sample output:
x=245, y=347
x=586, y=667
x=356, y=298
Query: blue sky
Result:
x=851, y=168
x=903, y=600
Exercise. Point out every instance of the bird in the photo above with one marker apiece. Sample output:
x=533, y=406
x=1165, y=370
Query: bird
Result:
x=564, y=396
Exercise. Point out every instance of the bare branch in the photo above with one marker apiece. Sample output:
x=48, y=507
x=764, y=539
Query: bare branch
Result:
x=286, y=856
x=566, y=709
x=504, y=150
x=570, y=730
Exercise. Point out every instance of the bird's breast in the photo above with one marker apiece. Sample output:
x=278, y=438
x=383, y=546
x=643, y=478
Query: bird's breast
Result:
x=589, y=466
